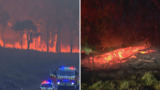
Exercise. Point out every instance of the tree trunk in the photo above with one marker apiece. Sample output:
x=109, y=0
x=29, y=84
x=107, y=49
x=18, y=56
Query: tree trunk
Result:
x=21, y=36
x=71, y=41
x=47, y=41
x=3, y=37
x=35, y=42
x=28, y=40
x=47, y=27
x=58, y=45
x=28, y=45
x=21, y=44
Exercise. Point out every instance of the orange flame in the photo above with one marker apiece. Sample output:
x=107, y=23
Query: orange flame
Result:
x=65, y=48
x=39, y=45
x=116, y=56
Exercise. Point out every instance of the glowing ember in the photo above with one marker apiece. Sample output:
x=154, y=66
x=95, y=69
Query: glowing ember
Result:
x=148, y=51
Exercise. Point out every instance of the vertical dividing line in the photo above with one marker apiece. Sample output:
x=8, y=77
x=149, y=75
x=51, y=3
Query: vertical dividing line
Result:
x=79, y=44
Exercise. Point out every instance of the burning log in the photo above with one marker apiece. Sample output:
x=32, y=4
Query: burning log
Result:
x=120, y=56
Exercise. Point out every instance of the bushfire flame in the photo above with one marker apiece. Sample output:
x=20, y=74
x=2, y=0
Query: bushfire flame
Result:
x=39, y=45
x=117, y=56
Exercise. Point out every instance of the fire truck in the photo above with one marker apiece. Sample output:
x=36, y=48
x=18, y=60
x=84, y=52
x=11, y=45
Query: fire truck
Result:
x=65, y=76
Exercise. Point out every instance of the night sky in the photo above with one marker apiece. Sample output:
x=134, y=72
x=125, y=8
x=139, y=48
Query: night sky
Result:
x=117, y=23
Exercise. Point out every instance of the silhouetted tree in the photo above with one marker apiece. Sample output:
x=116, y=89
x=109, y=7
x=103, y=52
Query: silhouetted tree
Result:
x=18, y=28
x=27, y=27
x=58, y=44
x=48, y=34
x=4, y=19
x=74, y=25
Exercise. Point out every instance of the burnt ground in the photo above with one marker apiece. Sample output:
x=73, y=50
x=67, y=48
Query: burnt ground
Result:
x=140, y=73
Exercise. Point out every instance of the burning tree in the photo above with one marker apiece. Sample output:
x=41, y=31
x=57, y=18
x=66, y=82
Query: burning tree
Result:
x=4, y=19
x=27, y=27
x=48, y=34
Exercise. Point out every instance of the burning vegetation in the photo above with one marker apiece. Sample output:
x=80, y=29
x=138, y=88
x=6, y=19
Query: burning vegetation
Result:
x=120, y=44
x=115, y=30
x=116, y=56
x=40, y=25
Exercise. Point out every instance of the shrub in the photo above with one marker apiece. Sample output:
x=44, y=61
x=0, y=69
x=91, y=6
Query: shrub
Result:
x=157, y=86
x=84, y=86
x=124, y=85
x=148, y=79
x=109, y=86
x=97, y=86
x=133, y=83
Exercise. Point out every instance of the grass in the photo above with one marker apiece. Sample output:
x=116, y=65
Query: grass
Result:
x=145, y=82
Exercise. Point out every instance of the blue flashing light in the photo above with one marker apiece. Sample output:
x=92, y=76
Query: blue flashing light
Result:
x=62, y=67
x=66, y=80
x=67, y=68
x=46, y=82
x=49, y=81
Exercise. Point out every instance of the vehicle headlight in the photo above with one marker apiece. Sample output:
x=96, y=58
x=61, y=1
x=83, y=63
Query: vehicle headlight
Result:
x=58, y=82
x=72, y=83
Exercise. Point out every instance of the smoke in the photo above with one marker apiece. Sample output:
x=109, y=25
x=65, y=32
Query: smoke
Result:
x=116, y=23
x=52, y=17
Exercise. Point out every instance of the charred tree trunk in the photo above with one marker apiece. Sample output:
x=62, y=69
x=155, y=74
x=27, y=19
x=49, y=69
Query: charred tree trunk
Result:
x=28, y=40
x=21, y=40
x=58, y=49
x=3, y=36
x=57, y=42
x=21, y=43
x=48, y=35
x=47, y=40
x=28, y=45
x=35, y=42
x=71, y=41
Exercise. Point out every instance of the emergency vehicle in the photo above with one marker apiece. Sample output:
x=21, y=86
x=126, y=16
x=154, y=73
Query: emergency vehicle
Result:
x=47, y=85
x=65, y=76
